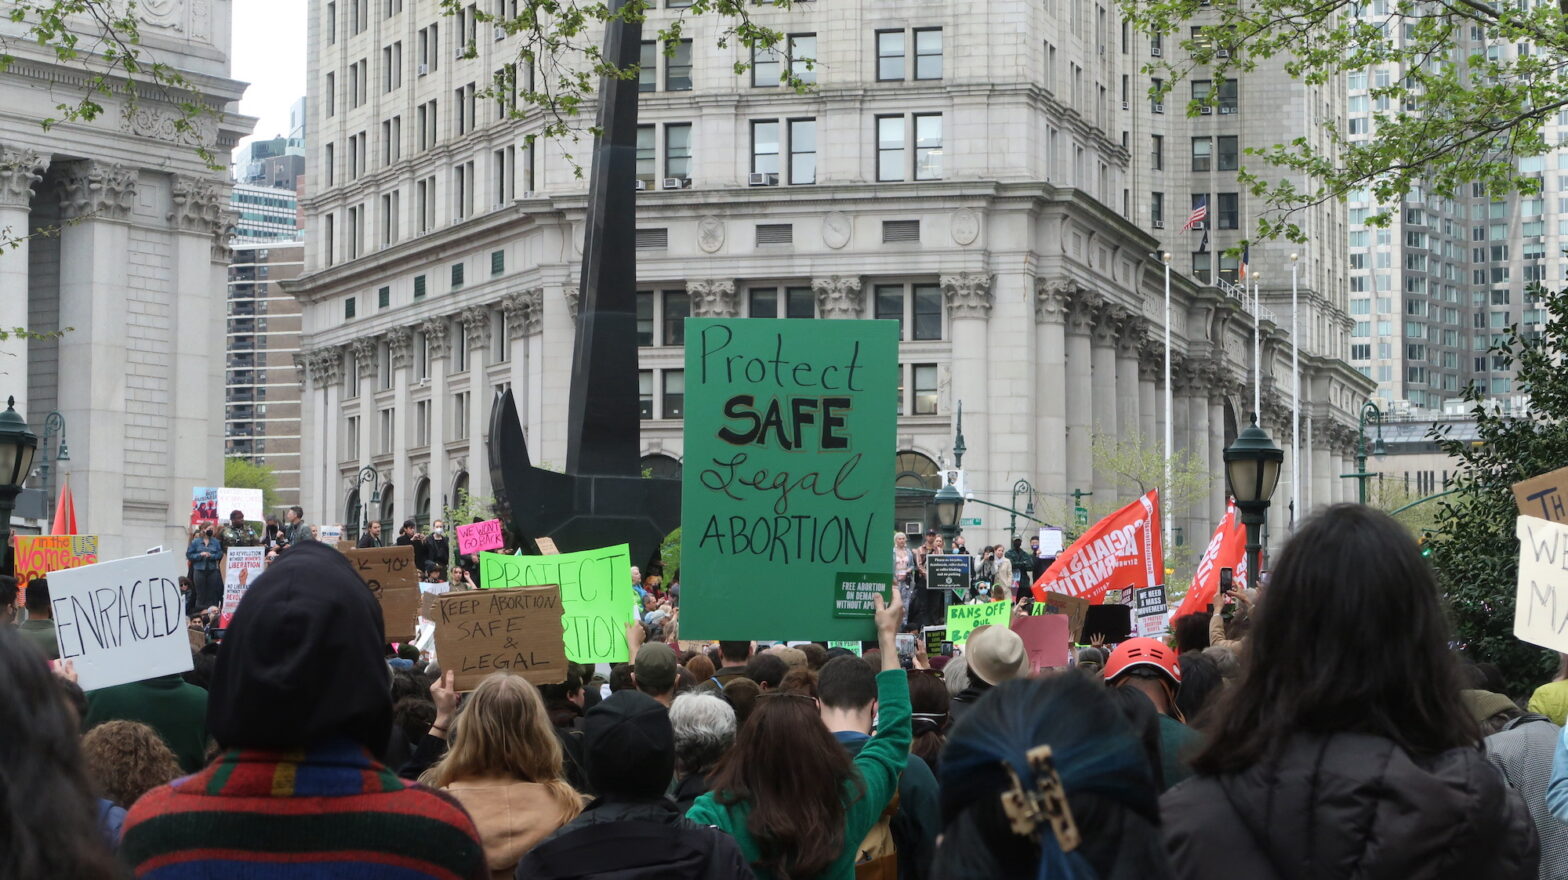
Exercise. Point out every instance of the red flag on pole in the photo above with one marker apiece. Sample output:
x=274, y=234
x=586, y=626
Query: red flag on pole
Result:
x=1121, y=550
x=64, y=511
x=1227, y=549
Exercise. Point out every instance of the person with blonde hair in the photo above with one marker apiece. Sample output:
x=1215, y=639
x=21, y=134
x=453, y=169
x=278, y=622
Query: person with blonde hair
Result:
x=504, y=767
x=126, y=759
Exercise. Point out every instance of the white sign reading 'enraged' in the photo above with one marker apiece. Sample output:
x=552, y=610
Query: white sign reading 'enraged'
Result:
x=121, y=621
x=1541, y=603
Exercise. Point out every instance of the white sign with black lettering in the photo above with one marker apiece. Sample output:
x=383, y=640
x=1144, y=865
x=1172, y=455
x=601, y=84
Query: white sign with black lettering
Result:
x=121, y=621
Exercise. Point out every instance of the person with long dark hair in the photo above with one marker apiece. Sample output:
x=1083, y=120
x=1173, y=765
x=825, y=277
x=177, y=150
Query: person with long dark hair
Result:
x=788, y=791
x=1056, y=740
x=1324, y=761
x=49, y=816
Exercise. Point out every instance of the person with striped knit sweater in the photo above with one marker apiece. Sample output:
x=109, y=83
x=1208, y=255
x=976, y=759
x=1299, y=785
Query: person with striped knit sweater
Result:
x=300, y=706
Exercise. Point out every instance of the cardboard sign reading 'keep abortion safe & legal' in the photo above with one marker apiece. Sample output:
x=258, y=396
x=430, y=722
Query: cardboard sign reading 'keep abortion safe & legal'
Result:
x=596, y=595
x=518, y=630
x=121, y=621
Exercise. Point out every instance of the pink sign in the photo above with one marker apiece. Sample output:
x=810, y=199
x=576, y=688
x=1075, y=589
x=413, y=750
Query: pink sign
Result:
x=1045, y=638
x=479, y=536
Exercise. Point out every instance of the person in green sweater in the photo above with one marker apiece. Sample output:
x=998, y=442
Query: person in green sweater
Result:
x=791, y=796
x=168, y=704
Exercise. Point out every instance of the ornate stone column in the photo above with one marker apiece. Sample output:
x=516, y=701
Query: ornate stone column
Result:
x=1128, y=415
x=20, y=170
x=1107, y=327
x=477, y=329
x=400, y=352
x=838, y=296
x=524, y=312
x=969, y=299
x=1051, y=299
x=1151, y=371
x=364, y=351
x=438, y=347
x=1081, y=315
x=95, y=208
x=714, y=298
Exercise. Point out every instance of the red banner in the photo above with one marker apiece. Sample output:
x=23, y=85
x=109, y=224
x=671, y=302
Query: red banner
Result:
x=1123, y=550
x=1227, y=549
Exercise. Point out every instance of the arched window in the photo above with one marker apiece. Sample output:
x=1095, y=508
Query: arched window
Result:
x=351, y=516
x=388, y=524
x=661, y=465
x=911, y=470
x=459, y=490
x=422, y=503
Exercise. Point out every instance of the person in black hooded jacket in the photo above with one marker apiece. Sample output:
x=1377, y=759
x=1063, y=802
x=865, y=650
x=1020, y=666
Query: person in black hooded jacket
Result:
x=1325, y=762
x=631, y=831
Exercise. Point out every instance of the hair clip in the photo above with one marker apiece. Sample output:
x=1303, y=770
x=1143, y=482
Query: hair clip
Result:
x=1046, y=803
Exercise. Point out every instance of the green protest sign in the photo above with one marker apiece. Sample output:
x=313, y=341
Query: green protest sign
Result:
x=596, y=595
x=788, y=477
x=848, y=646
x=855, y=593
x=964, y=619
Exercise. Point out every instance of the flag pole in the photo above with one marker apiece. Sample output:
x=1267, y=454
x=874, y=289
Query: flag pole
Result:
x=1165, y=493
x=1295, y=400
x=1257, y=361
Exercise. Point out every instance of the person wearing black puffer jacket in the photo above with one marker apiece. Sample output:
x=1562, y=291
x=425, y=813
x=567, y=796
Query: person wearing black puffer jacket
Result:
x=1326, y=763
x=631, y=831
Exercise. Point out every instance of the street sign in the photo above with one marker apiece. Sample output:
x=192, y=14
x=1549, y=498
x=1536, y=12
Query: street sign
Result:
x=1081, y=516
x=969, y=521
x=949, y=571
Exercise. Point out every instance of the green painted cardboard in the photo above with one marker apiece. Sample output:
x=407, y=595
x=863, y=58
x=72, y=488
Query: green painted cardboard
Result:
x=787, y=474
x=596, y=595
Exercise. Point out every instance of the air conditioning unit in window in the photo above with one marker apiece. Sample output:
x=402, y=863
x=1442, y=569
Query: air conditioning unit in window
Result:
x=762, y=179
x=500, y=33
x=1159, y=108
x=1206, y=111
x=1158, y=224
x=642, y=185
x=1200, y=225
x=1156, y=51
x=424, y=69
x=1221, y=53
x=1125, y=106
x=677, y=183
x=1226, y=110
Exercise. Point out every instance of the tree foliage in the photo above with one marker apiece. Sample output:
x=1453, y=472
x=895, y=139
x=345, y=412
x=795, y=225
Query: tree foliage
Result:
x=1466, y=110
x=468, y=509
x=1475, y=552
x=243, y=473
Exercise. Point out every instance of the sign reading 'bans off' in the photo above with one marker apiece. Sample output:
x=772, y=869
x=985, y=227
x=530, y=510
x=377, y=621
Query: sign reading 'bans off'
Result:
x=787, y=490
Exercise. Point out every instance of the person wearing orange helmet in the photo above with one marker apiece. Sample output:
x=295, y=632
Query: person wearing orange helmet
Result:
x=1150, y=668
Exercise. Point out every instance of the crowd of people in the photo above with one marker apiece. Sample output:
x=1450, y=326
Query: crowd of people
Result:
x=1256, y=742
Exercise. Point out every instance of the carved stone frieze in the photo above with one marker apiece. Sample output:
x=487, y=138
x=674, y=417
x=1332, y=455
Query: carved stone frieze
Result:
x=839, y=296
x=713, y=298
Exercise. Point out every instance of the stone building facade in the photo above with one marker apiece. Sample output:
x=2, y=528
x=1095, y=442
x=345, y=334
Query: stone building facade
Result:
x=122, y=238
x=973, y=181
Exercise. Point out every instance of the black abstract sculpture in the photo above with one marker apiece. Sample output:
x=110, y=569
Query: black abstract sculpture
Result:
x=602, y=498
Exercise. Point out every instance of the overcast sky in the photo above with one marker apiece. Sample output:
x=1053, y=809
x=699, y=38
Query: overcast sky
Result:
x=269, y=53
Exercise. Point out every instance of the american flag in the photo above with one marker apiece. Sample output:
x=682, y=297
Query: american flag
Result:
x=1200, y=212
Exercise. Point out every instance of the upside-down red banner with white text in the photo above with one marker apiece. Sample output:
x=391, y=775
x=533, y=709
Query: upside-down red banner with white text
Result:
x=1227, y=549
x=1123, y=550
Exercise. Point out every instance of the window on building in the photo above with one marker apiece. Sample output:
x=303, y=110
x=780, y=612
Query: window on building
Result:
x=803, y=57
x=349, y=306
x=1228, y=210
x=647, y=159
x=457, y=275
x=890, y=55
x=677, y=150
x=677, y=68
x=928, y=146
x=645, y=394
x=1201, y=267
x=891, y=150
x=767, y=67
x=677, y=308
x=460, y=413
x=923, y=400
x=330, y=93
x=645, y=317
x=1157, y=209
x=928, y=53
x=674, y=394
x=648, y=67
x=1157, y=153
x=765, y=147
x=802, y=151
x=383, y=297
x=1202, y=149
x=1229, y=158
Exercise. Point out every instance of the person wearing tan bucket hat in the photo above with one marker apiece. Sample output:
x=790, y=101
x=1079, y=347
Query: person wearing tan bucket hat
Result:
x=995, y=654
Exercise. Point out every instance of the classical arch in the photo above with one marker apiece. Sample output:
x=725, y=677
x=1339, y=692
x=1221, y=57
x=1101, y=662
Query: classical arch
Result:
x=913, y=470
x=386, y=514
x=422, y=503
x=660, y=465
x=351, y=515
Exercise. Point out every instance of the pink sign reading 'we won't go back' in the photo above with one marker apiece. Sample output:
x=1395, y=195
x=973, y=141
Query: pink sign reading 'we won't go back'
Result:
x=479, y=536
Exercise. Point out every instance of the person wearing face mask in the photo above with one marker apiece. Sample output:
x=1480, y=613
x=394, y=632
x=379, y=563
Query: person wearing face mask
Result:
x=438, y=552
x=204, y=552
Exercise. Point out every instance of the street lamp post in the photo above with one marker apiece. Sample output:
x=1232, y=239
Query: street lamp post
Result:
x=1378, y=449
x=17, y=447
x=1252, y=465
x=1023, y=488
x=368, y=474
x=54, y=426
